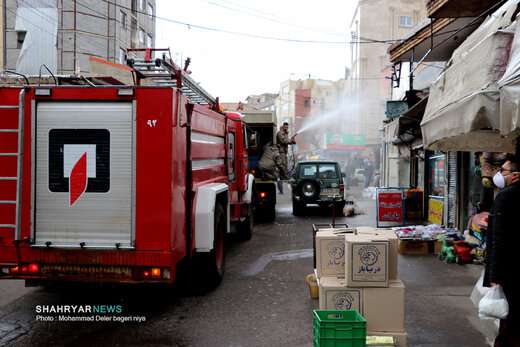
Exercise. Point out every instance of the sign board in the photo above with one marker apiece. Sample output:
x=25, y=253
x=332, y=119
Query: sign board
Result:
x=435, y=211
x=336, y=140
x=395, y=108
x=390, y=207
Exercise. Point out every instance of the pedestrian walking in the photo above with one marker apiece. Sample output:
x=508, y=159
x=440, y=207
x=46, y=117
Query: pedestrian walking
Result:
x=280, y=186
x=283, y=141
x=369, y=172
x=502, y=242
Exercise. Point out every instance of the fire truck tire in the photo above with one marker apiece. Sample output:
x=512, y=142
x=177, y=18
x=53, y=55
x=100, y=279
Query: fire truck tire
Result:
x=211, y=265
x=245, y=228
x=270, y=213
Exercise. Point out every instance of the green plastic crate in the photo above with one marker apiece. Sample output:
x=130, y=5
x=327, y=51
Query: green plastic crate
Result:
x=333, y=328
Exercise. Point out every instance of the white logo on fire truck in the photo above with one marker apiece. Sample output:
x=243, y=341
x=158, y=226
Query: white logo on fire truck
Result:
x=79, y=162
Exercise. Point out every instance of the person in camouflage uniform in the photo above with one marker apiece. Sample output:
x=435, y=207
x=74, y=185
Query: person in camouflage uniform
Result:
x=270, y=162
x=283, y=141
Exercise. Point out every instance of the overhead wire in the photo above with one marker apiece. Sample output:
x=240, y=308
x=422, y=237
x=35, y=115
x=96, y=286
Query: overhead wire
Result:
x=251, y=12
x=238, y=33
x=188, y=25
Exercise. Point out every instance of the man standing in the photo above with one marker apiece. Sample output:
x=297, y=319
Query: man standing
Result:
x=502, y=241
x=283, y=141
x=369, y=172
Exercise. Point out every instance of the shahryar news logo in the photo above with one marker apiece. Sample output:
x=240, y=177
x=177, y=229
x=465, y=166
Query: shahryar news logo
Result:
x=79, y=309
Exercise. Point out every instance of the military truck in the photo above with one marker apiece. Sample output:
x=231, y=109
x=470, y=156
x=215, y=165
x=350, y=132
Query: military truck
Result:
x=261, y=128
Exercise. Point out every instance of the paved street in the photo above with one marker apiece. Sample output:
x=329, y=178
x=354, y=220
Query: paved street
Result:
x=263, y=300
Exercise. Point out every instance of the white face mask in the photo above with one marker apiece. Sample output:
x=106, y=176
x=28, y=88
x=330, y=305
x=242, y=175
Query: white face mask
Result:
x=499, y=180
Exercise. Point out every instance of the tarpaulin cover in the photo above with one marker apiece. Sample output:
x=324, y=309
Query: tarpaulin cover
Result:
x=509, y=86
x=464, y=103
x=39, y=21
x=390, y=130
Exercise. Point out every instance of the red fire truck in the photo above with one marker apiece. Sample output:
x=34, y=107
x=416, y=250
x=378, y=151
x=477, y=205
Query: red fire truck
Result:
x=121, y=184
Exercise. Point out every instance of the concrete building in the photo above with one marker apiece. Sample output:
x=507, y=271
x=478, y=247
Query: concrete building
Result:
x=377, y=20
x=263, y=102
x=64, y=34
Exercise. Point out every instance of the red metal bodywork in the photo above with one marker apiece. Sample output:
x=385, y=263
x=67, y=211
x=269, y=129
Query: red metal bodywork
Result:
x=160, y=215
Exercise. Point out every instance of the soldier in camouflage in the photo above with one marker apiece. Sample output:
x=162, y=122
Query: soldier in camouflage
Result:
x=270, y=162
x=283, y=141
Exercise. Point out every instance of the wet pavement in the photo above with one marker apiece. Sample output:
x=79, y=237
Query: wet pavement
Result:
x=263, y=300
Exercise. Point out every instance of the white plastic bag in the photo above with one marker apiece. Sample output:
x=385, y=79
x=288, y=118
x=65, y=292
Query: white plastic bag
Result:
x=479, y=291
x=494, y=304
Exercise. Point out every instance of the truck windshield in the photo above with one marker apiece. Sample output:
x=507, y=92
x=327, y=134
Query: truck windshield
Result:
x=328, y=171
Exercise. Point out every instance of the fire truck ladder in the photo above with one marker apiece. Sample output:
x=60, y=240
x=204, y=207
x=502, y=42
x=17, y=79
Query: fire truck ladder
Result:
x=19, y=166
x=164, y=72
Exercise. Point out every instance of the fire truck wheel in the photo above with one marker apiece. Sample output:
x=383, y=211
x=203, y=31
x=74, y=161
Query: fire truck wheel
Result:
x=270, y=213
x=211, y=265
x=245, y=228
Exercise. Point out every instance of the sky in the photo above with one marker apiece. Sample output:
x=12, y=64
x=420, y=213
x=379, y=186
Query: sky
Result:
x=233, y=66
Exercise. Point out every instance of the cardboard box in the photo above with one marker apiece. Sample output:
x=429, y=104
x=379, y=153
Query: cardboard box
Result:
x=437, y=246
x=413, y=247
x=334, y=295
x=386, y=234
x=384, y=308
x=400, y=338
x=330, y=254
x=366, y=261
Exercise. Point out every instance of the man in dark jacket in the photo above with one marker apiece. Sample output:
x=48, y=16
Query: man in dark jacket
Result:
x=503, y=240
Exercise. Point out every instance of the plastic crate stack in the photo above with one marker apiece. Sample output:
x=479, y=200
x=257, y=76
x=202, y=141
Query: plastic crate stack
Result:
x=356, y=269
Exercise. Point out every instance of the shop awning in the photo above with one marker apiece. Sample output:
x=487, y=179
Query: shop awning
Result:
x=463, y=110
x=509, y=86
x=458, y=8
x=409, y=125
x=419, y=42
x=470, y=124
x=390, y=130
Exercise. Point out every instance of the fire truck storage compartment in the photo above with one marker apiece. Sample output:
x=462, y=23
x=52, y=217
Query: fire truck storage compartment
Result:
x=84, y=174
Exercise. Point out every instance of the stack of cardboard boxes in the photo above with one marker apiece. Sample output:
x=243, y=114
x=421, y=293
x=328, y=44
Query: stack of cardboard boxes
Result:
x=357, y=270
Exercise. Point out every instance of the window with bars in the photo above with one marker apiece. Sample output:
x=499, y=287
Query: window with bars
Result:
x=142, y=36
x=122, y=54
x=405, y=21
x=123, y=19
